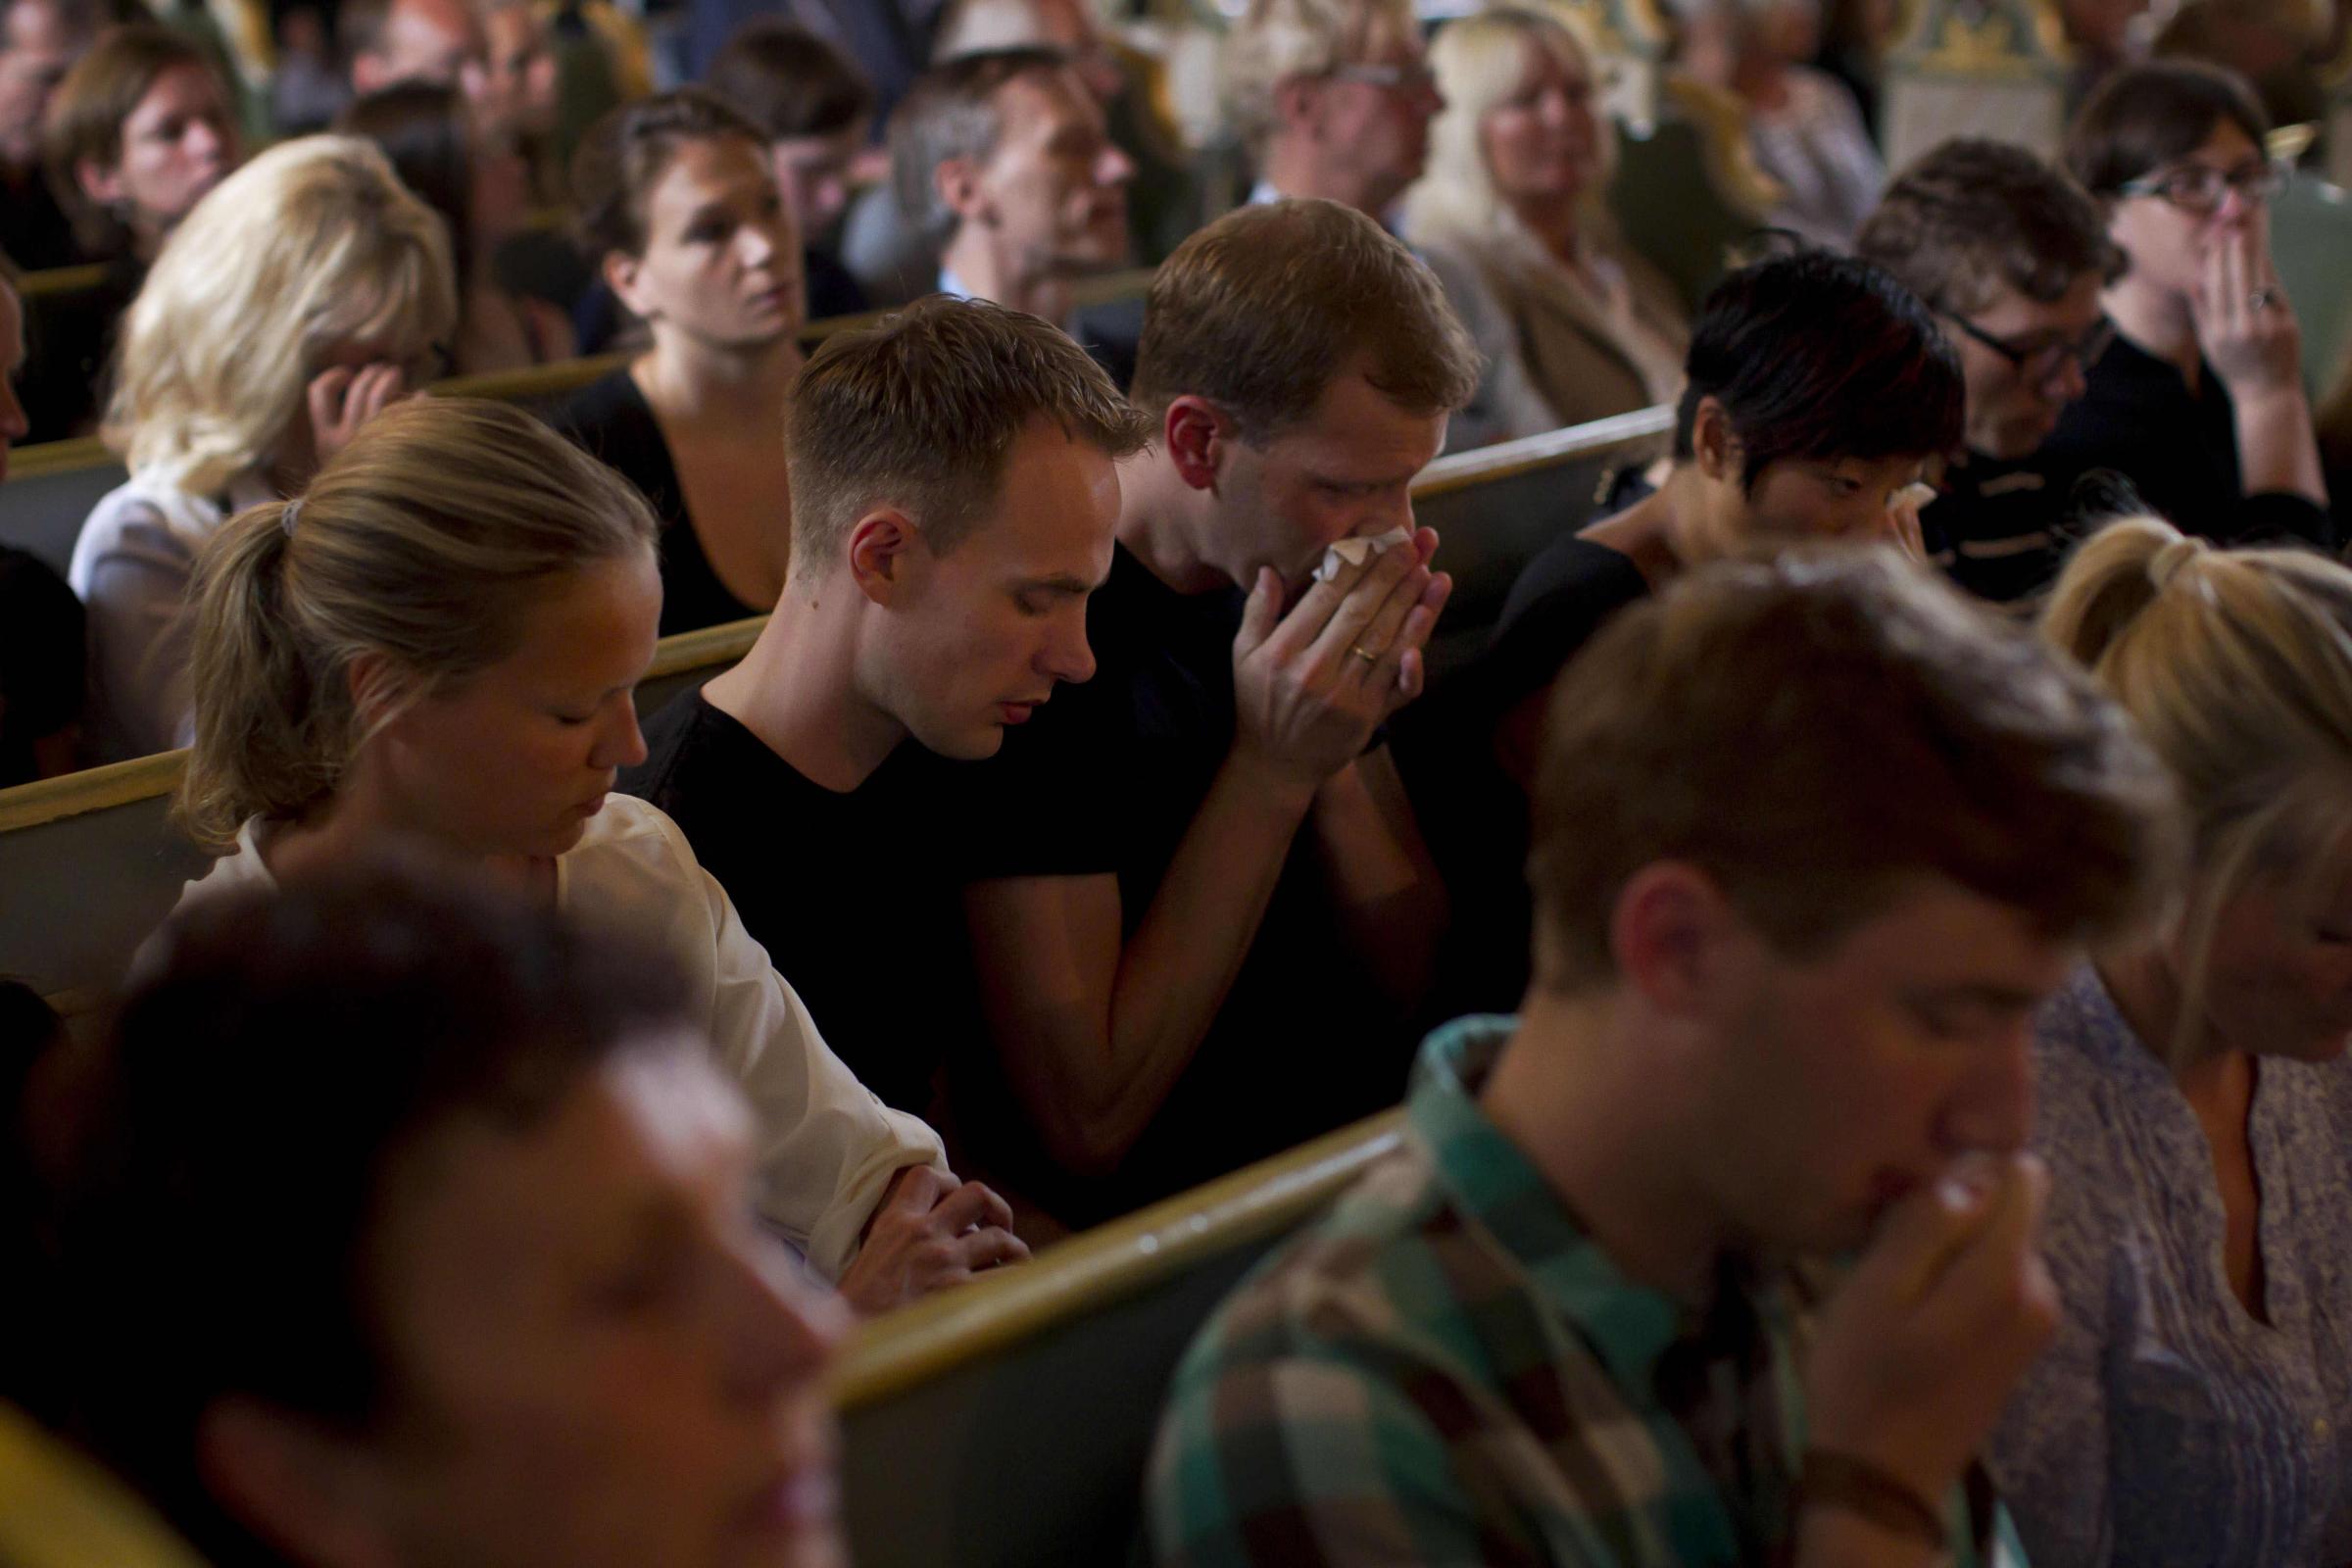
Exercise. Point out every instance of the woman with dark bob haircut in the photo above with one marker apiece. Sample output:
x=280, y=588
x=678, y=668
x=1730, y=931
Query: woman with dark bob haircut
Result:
x=452, y=1214
x=1815, y=388
x=2199, y=401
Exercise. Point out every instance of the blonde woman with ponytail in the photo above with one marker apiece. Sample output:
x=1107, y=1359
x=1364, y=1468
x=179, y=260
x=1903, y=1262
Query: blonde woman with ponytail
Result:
x=439, y=642
x=306, y=292
x=2195, y=1099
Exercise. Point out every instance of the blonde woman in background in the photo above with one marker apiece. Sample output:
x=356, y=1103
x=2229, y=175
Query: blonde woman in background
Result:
x=304, y=294
x=2195, y=1100
x=1519, y=167
x=439, y=644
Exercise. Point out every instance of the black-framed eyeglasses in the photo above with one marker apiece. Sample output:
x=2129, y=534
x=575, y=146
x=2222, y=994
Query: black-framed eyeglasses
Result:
x=2040, y=361
x=2200, y=188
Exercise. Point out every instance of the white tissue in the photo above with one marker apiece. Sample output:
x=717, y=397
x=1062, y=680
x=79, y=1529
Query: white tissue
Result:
x=1356, y=552
x=1915, y=495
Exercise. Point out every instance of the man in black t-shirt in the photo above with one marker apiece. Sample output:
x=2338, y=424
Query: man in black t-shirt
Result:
x=1204, y=912
x=953, y=484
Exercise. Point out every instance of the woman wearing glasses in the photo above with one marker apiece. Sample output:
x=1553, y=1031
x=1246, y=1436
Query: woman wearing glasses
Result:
x=2200, y=402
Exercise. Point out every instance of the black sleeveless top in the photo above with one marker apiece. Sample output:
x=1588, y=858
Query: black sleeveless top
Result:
x=611, y=421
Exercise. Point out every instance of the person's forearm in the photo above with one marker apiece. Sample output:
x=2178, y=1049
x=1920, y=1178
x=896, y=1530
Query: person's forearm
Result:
x=1391, y=901
x=1178, y=966
x=2277, y=450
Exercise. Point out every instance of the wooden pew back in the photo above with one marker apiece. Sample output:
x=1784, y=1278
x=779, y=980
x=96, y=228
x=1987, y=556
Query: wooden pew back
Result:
x=1008, y=1423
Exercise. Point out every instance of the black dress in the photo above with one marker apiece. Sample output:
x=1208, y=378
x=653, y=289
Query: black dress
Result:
x=611, y=421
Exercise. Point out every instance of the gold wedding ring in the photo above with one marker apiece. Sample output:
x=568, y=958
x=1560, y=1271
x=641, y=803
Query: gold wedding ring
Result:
x=1360, y=651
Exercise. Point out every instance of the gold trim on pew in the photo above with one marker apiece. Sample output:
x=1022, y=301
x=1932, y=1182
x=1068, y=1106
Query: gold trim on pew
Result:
x=76, y=279
x=536, y=381
x=1109, y=1263
x=1508, y=460
x=95, y=789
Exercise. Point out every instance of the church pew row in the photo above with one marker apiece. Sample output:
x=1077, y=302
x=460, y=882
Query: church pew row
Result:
x=89, y=863
x=1008, y=1423
x=51, y=487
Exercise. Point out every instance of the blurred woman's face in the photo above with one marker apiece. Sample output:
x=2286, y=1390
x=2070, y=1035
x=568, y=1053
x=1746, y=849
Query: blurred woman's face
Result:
x=2201, y=200
x=601, y=1360
x=177, y=144
x=1543, y=143
x=722, y=258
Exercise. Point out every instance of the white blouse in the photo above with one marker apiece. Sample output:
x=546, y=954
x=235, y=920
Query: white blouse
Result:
x=827, y=1145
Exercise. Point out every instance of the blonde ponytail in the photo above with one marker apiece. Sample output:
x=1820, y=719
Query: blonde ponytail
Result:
x=2237, y=665
x=419, y=549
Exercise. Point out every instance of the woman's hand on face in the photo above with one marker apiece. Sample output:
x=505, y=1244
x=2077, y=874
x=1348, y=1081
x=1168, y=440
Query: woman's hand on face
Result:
x=2245, y=327
x=343, y=398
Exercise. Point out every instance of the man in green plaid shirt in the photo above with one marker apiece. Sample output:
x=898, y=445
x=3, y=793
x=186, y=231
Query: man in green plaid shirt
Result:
x=1812, y=840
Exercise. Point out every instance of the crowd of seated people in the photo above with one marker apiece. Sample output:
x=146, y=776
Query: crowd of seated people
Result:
x=1859, y=934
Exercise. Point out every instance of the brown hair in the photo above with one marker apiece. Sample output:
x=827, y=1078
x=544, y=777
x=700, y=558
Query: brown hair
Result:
x=1261, y=310
x=2237, y=664
x=83, y=124
x=1974, y=214
x=921, y=412
x=625, y=153
x=423, y=541
x=2150, y=115
x=1817, y=731
x=789, y=82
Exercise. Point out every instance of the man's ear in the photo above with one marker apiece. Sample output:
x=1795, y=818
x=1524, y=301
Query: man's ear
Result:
x=312, y=1496
x=956, y=181
x=622, y=275
x=1198, y=436
x=1298, y=103
x=880, y=544
x=1713, y=444
x=1676, y=939
x=99, y=182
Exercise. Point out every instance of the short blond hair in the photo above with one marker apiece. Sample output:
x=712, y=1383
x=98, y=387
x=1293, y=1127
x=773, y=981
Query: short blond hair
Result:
x=1816, y=732
x=2238, y=666
x=422, y=542
x=311, y=245
x=921, y=412
x=1278, y=40
x=1479, y=63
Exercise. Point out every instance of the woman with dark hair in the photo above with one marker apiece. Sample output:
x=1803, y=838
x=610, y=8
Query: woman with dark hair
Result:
x=2200, y=400
x=1815, y=389
x=681, y=212
x=480, y=1285
x=481, y=187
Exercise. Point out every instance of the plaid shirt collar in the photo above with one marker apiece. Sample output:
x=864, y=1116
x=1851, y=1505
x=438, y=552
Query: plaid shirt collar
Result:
x=1645, y=1337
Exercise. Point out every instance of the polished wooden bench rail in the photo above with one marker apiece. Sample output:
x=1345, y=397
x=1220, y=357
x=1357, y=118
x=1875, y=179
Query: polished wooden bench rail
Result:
x=89, y=862
x=1008, y=1422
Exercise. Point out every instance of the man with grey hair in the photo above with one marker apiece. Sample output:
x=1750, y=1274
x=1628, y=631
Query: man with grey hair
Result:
x=1005, y=158
x=1334, y=100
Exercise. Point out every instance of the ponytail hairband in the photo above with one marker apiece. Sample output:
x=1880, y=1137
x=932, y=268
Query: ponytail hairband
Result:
x=2171, y=557
x=285, y=518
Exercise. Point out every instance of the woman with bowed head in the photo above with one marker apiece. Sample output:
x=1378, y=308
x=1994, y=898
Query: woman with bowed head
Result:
x=2195, y=1104
x=680, y=204
x=305, y=294
x=440, y=640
